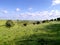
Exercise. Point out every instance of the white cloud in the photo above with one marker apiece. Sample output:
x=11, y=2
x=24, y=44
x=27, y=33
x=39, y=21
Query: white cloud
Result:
x=54, y=12
x=55, y=2
x=5, y=11
x=18, y=9
x=30, y=9
x=36, y=13
x=43, y=14
x=51, y=12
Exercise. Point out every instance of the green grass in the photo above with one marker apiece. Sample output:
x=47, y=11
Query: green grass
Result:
x=46, y=33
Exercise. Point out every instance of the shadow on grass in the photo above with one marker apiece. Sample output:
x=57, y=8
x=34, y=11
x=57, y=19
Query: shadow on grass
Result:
x=36, y=40
x=53, y=27
x=42, y=39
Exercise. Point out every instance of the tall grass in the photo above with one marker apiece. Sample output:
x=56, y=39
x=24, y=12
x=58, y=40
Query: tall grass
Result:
x=42, y=34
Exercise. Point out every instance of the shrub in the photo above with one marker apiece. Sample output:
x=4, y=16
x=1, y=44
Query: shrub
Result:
x=37, y=22
x=58, y=19
x=51, y=20
x=43, y=21
x=54, y=19
x=9, y=23
x=24, y=24
x=33, y=23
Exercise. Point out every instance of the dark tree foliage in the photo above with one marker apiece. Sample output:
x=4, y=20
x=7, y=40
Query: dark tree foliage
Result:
x=58, y=19
x=37, y=22
x=9, y=23
x=43, y=21
x=24, y=24
x=51, y=20
x=33, y=23
x=54, y=19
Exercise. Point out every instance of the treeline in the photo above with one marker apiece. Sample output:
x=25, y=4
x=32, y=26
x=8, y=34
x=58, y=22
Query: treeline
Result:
x=10, y=23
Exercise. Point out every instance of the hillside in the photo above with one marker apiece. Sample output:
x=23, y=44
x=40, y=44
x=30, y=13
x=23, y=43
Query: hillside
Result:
x=41, y=34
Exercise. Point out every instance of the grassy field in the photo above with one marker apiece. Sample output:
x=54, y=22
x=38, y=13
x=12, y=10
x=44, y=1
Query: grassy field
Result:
x=41, y=34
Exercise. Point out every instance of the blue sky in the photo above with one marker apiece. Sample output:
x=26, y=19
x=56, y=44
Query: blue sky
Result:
x=29, y=9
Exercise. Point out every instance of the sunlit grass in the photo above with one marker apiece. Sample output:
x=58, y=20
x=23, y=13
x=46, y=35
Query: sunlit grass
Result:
x=12, y=35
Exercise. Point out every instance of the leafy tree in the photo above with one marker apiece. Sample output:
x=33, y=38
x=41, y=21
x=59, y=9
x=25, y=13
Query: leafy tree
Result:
x=9, y=23
x=58, y=19
x=25, y=24
x=37, y=22
x=33, y=23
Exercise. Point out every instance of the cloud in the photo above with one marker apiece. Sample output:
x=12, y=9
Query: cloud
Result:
x=18, y=9
x=41, y=15
x=54, y=12
x=30, y=9
x=33, y=15
x=55, y=2
x=5, y=11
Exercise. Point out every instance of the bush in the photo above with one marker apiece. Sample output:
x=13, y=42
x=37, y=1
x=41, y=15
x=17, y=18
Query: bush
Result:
x=37, y=22
x=54, y=19
x=9, y=23
x=58, y=19
x=51, y=20
x=33, y=23
x=43, y=21
x=25, y=24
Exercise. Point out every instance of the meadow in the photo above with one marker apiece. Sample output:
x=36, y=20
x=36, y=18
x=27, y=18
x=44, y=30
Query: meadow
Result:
x=38, y=34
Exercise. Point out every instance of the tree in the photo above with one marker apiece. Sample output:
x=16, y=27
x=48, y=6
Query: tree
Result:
x=33, y=23
x=25, y=24
x=37, y=22
x=9, y=23
x=58, y=19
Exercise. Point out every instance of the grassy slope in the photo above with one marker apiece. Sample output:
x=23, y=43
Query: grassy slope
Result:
x=30, y=35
